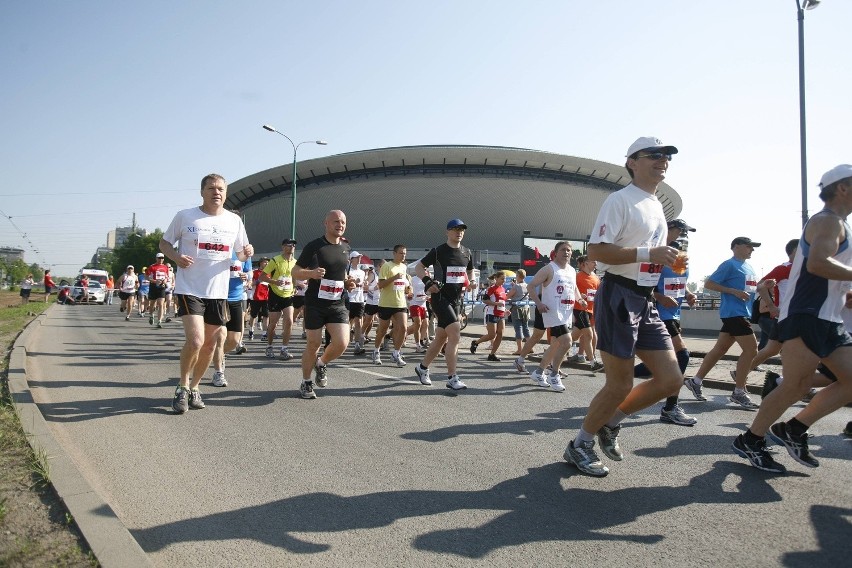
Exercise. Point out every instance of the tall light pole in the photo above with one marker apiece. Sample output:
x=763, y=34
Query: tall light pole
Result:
x=801, y=6
x=295, y=150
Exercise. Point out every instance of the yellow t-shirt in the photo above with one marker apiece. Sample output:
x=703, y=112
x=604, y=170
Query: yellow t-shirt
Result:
x=280, y=267
x=393, y=295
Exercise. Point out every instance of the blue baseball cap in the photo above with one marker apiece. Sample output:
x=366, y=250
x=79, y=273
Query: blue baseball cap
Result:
x=455, y=223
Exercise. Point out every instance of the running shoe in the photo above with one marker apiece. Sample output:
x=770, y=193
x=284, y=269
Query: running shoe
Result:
x=179, y=402
x=151, y=320
x=537, y=376
x=241, y=348
x=797, y=446
x=159, y=325
x=493, y=357
x=585, y=458
x=455, y=383
x=358, y=349
x=848, y=430
x=759, y=369
x=770, y=383
x=596, y=366
x=284, y=354
x=127, y=318
x=695, y=389
x=677, y=416
x=756, y=454
x=400, y=362
x=320, y=375
x=473, y=346
x=263, y=336
x=306, y=390
x=195, y=401
x=809, y=395
x=270, y=352
x=423, y=375
x=386, y=343
x=251, y=334
x=219, y=379
x=608, y=438
x=419, y=348
x=377, y=357
x=555, y=383
x=168, y=320
x=743, y=400
x=521, y=365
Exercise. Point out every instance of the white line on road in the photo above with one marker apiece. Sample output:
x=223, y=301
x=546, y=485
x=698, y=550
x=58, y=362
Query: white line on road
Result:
x=379, y=375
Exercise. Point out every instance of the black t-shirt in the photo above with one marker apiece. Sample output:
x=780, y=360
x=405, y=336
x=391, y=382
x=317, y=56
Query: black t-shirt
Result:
x=320, y=253
x=459, y=261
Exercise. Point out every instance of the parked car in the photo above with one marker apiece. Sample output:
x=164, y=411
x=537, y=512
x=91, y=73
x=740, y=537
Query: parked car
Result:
x=97, y=292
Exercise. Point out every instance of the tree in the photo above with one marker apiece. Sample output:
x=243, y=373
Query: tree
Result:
x=136, y=250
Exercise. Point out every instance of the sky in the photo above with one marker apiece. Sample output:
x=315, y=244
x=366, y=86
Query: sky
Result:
x=113, y=108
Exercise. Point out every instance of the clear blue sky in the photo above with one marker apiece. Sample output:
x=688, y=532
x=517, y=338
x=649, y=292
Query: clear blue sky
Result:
x=110, y=108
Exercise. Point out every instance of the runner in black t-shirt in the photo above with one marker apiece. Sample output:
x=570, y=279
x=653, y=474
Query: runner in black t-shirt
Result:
x=453, y=269
x=323, y=264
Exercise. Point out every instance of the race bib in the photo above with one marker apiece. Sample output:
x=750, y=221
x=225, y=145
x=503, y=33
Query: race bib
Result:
x=565, y=294
x=674, y=287
x=330, y=289
x=649, y=274
x=456, y=274
x=236, y=268
x=399, y=284
x=211, y=247
x=500, y=309
x=285, y=282
x=590, y=294
x=750, y=285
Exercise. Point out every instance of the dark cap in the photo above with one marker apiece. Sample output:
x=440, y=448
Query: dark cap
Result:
x=288, y=242
x=680, y=224
x=744, y=241
x=456, y=223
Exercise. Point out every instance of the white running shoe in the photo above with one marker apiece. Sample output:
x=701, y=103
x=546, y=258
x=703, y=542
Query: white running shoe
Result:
x=455, y=383
x=219, y=379
x=377, y=358
x=270, y=352
x=521, y=365
x=555, y=383
x=538, y=377
x=400, y=362
x=284, y=354
x=423, y=375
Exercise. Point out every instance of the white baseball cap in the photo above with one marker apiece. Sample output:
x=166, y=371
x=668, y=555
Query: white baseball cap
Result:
x=354, y=254
x=835, y=174
x=649, y=143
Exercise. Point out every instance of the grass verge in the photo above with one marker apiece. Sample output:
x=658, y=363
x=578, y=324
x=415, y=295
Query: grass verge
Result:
x=35, y=527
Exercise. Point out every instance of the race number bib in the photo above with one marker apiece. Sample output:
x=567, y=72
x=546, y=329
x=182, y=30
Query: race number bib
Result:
x=330, y=289
x=590, y=294
x=649, y=274
x=236, y=268
x=499, y=309
x=750, y=285
x=456, y=274
x=565, y=294
x=285, y=282
x=674, y=287
x=211, y=247
x=400, y=283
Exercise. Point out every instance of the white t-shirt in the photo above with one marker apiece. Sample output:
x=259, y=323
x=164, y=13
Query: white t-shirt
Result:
x=209, y=240
x=356, y=295
x=630, y=217
x=418, y=297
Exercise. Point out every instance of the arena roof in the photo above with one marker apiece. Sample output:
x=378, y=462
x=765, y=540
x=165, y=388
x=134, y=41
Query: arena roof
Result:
x=407, y=194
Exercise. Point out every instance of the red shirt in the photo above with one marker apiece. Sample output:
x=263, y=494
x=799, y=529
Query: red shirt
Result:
x=261, y=289
x=779, y=274
x=48, y=281
x=497, y=293
x=158, y=273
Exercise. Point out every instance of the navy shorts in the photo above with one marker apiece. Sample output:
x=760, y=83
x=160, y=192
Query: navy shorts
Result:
x=821, y=336
x=627, y=321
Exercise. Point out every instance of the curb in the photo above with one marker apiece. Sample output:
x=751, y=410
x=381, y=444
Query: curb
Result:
x=110, y=541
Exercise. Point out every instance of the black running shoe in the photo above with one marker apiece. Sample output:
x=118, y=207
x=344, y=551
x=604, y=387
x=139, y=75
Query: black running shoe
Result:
x=493, y=357
x=769, y=383
x=473, y=346
x=756, y=454
x=320, y=375
x=797, y=446
x=180, y=401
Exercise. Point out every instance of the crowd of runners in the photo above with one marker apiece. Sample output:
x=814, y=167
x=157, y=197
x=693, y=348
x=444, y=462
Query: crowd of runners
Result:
x=631, y=311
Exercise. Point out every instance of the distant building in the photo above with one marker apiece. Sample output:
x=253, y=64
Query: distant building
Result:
x=119, y=235
x=11, y=254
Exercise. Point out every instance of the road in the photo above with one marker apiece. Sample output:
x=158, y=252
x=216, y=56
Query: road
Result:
x=381, y=471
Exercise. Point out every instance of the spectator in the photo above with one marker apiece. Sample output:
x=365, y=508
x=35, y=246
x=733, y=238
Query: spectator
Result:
x=27, y=288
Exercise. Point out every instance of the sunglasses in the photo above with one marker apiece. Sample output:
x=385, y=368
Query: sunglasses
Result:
x=656, y=156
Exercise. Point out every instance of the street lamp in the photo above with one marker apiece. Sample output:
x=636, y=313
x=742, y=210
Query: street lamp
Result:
x=801, y=6
x=295, y=149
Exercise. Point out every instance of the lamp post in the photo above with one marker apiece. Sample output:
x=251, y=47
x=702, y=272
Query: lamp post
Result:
x=295, y=150
x=801, y=6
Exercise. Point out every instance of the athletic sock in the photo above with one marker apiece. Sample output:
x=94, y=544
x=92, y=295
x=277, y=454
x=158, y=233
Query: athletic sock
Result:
x=796, y=427
x=750, y=437
x=320, y=362
x=616, y=418
x=671, y=402
x=697, y=380
x=682, y=359
x=738, y=390
x=583, y=436
x=422, y=367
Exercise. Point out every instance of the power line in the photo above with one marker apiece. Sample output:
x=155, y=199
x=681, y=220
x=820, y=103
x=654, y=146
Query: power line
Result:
x=67, y=213
x=94, y=192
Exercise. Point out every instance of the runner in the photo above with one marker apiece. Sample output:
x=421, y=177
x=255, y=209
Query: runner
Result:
x=495, y=316
x=356, y=301
x=158, y=275
x=278, y=274
x=453, y=265
x=205, y=237
x=393, y=308
x=584, y=317
x=240, y=276
x=127, y=285
x=258, y=312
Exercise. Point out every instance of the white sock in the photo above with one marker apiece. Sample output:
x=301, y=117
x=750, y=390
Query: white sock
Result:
x=697, y=380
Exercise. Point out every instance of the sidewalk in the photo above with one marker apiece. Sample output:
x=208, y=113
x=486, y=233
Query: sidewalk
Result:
x=698, y=345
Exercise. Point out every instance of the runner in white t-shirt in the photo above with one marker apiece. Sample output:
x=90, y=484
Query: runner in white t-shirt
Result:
x=200, y=241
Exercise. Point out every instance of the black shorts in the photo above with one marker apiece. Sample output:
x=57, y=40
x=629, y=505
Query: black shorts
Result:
x=356, y=310
x=25, y=292
x=258, y=308
x=236, y=311
x=581, y=319
x=156, y=292
x=821, y=336
x=446, y=312
x=298, y=302
x=387, y=313
x=126, y=295
x=822, y=369
x=538, y=321
x=737, y=326
x=773, y=331
x=318, y=316
x=215, y=312
x=277, y=303
x=673, y=327
x=559, y=330
x=371, y=309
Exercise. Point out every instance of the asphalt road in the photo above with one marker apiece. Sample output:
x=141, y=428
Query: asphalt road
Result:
x=381, y=471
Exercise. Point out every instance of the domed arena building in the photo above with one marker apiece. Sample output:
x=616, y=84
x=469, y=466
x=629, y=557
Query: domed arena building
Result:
x=407, y=194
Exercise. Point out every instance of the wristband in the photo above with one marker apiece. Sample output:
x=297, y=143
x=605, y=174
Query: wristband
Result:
x=427, y=282
x=643, y=254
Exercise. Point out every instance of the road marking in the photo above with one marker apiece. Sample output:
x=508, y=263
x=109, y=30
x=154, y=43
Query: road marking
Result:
x=375, y=374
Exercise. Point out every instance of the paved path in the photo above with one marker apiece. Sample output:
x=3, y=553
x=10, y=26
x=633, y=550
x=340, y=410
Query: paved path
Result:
x=383, y=471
